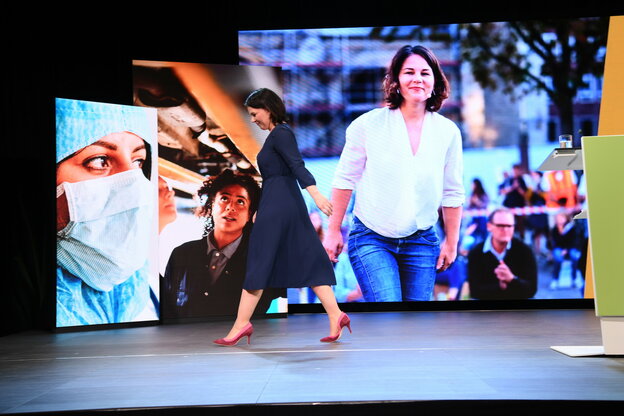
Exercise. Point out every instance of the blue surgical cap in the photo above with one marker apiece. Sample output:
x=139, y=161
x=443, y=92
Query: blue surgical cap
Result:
x=81, y=123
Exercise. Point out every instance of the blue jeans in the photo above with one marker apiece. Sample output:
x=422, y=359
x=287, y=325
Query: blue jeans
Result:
x=393, y=269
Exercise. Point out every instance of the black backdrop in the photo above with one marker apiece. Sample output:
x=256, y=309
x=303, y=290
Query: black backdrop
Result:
x=85, y=52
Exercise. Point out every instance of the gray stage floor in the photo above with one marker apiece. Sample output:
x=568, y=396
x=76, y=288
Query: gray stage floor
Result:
x=391, y=356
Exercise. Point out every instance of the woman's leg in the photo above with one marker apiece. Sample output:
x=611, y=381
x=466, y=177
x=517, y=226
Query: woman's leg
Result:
x=374, y=264
x=248, y=302
x=328, y=300
x=417, y=259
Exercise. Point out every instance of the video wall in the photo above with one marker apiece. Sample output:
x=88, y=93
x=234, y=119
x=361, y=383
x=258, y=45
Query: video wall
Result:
x=207, y=148
x=514, y=88
x=139, y=186
x=106, y=218
x=141, y=191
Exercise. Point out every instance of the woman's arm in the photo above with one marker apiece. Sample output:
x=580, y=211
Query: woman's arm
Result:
x=448, y=248
x=453, y=197
x=333, y=237
x=319, y=199
x=286, y=145
x=347, y=175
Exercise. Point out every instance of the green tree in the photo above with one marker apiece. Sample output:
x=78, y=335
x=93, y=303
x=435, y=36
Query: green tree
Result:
x=552, y=56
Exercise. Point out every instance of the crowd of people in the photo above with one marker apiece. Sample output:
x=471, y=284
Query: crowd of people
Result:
x=530, y=209
x=543, y=205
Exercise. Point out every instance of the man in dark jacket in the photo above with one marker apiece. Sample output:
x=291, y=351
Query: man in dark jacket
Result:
x=502, y=267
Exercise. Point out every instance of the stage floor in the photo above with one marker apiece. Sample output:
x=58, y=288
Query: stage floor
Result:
x=429, y=358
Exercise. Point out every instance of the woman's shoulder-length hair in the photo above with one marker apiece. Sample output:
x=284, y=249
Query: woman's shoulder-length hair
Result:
x=269, y=100
x=441, y=87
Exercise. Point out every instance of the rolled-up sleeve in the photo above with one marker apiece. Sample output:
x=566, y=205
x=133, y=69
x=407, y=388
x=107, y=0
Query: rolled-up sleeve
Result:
x=453, y=193
x=352, y=159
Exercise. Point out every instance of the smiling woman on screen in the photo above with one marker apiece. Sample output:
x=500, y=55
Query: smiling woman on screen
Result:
x=403, y=161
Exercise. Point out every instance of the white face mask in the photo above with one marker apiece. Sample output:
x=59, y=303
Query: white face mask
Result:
x=110, y=223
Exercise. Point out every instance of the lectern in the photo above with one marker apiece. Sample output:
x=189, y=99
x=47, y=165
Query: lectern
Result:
x=601, y=159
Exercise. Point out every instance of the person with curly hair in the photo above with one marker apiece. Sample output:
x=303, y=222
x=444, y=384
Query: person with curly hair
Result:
x=204, y=277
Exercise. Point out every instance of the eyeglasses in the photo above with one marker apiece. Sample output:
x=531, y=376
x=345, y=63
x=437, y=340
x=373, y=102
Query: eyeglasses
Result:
x=503, y=225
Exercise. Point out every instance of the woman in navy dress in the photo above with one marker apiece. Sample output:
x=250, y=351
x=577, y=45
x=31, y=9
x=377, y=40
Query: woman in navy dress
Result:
x=284, y=248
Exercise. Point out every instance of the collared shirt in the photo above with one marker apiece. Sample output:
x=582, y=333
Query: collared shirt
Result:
x=487, y=246
x=397, y=192
x=218, y=258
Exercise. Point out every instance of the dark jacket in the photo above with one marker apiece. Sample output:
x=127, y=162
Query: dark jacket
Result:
x=484, y=283
x=187, y=291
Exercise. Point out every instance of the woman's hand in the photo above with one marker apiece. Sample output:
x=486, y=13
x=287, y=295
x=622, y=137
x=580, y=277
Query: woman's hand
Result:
x=333, y=241
x=319, y=199
x=333, y=244
x=323, y=204
x=448, y=254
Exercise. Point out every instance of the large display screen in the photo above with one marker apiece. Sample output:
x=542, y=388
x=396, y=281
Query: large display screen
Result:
x=515, y=87
x=106, y=218
x=207, y=150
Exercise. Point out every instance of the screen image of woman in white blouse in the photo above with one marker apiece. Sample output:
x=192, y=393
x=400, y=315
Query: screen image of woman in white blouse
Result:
x=401, y=162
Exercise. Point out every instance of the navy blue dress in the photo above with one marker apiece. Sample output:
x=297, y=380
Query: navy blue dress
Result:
x=284, y=249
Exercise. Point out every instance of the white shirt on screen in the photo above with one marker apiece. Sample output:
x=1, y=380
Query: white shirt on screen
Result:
x=397, y=192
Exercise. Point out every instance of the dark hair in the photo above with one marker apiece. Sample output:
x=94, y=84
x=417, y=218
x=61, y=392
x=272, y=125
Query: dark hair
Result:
x=268, y=100
x=479, y=190
x=217, y=183
x=390, y=86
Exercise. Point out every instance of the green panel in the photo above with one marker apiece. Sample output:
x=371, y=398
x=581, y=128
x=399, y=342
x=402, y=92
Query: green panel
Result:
x=603, y=158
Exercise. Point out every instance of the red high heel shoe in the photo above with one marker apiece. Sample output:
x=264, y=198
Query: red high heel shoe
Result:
x=246, y=331
x=342, y=322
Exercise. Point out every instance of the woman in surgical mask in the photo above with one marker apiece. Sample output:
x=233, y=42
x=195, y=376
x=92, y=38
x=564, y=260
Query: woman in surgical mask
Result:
x=105, y=211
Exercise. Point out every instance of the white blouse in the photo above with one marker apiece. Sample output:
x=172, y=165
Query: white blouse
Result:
x=397, y=192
